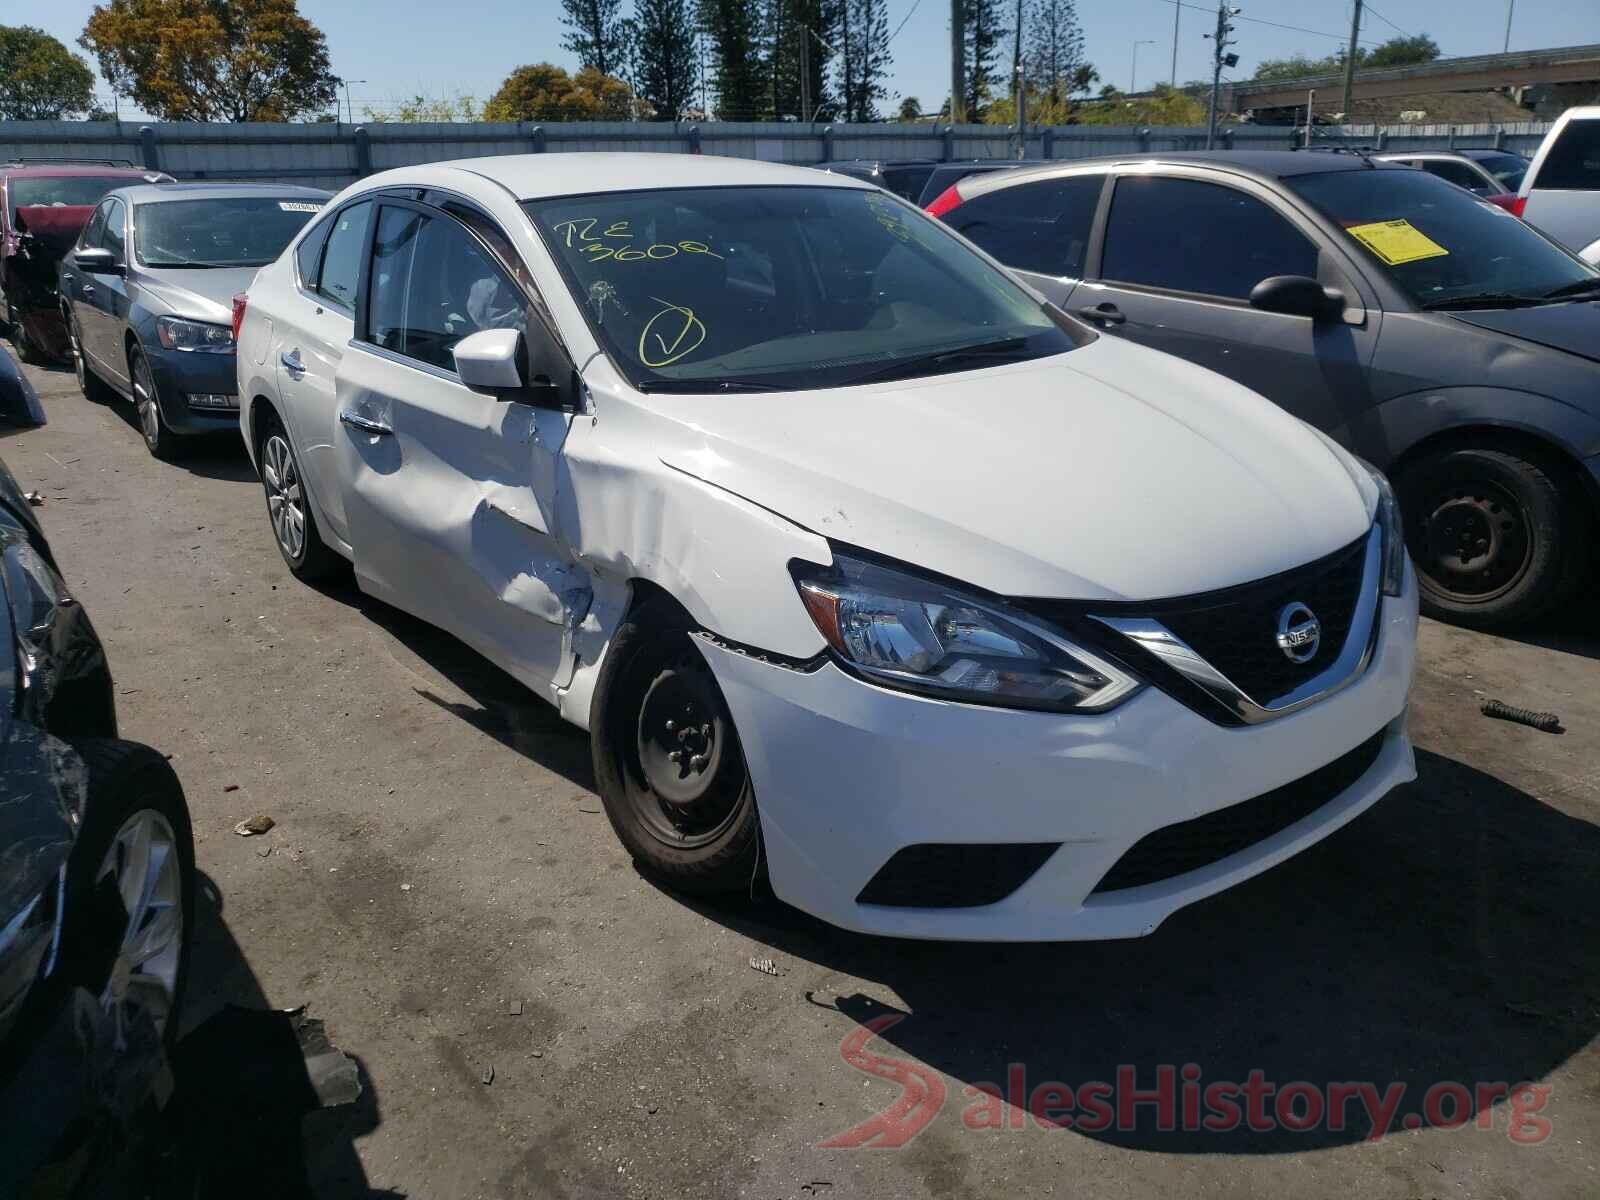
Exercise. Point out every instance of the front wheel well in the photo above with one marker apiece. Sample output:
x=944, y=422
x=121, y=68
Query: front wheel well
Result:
x=1510, y=441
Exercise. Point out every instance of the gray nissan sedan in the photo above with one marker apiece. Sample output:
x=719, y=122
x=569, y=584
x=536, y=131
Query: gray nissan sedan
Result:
x=1434, y=334
x=147, y=294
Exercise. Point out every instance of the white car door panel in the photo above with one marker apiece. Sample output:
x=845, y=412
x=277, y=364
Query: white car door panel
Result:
x=450, y=494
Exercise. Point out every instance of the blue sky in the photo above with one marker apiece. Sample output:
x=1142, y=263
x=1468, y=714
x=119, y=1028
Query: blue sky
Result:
x=402, y=47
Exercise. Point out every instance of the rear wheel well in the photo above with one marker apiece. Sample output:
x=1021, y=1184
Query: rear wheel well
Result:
x=260, y=409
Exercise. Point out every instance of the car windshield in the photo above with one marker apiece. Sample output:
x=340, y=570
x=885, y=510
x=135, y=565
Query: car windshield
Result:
x=243, y=231
x=62, y=190
x=785, y=288
x=1507, y=169
x=1439, y=243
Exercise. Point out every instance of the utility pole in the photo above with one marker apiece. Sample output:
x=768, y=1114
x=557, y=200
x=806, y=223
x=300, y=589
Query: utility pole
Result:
x=1021, y=89
x=1311, y=100
x=1511, y=7
x=1221, y=58
x=1350, y=58
x=958, y=64
x=1177, y=12
x=347, y=104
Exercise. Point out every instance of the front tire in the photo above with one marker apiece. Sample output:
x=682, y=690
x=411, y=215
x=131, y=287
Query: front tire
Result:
x=668, y=761
x=130, y=888
x=294, y=528
x=1497, y=536
x=158, y=436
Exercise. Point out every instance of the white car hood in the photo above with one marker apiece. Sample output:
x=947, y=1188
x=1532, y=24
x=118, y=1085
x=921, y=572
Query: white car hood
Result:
x=1110, y=472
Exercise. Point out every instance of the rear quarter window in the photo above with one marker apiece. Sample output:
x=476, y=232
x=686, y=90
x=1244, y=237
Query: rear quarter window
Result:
x=1573, y=163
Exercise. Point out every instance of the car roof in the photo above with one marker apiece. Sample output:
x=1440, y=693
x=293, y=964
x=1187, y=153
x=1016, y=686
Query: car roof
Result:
x=1262, y=164
x=58, y=170
x=1481, y=152
x=539, y=176
x=155, y=193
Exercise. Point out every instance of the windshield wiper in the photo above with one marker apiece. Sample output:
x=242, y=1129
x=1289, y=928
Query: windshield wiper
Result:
x=707, y=387
x=1481, y=300
x=1576, y=288
x=926, y=363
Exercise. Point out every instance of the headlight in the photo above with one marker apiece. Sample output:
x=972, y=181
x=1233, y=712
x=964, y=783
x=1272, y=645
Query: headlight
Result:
x=1394, y=534
x=178, y=334
x=920, y=635
x=34, y=595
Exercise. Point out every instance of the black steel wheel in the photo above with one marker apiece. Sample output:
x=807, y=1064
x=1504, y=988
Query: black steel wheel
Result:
x=667, y=757
x=1494, y=535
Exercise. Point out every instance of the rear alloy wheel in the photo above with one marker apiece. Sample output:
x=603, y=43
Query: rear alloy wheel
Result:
x=667, y=757
x=1495, y=536
x=294, y=528
x=158, y=438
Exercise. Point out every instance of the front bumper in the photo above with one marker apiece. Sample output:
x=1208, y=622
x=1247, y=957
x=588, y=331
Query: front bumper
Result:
x=847, y=774
x=179, y=375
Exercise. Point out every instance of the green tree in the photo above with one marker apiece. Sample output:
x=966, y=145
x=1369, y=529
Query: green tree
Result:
x=212, y=60
x=1164, y=106
x=863, y=58
x=740, y=75
x=1396, y=52
x=40, y=79
x=1053, y=49
x=595, y=33
x=791, y=33
x=910, y=109
x=544, y=92
x=667, y=65
x=984, y=22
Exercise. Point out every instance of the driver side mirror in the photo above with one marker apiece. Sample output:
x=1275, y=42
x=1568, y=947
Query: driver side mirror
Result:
x=499, y=362
x=97, y=261
x=1297, y=296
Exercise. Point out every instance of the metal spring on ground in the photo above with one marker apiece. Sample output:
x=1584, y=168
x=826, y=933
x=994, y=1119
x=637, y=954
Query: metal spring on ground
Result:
x=1547, y=722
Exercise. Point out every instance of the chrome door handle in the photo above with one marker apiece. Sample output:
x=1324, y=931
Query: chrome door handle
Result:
x=88, y=289
x=291, y=362
x=364, y=424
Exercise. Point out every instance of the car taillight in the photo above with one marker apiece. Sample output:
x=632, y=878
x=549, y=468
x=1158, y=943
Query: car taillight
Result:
x=1512, y=204
x=239, y=302
x=944, y=202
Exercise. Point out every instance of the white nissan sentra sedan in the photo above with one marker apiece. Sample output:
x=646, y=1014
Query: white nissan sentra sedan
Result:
x=861, y=565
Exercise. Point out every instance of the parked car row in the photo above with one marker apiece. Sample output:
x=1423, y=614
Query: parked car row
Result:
x=1437, y=336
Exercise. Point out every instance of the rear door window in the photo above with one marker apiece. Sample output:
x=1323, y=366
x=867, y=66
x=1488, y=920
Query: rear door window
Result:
x=341, y=264
x=1041, y=227
x=1185, y=235
x=1573, y=163
x=308, y=254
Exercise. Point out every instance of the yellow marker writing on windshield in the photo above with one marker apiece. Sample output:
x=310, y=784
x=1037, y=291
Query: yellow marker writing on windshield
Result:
x=671, y=334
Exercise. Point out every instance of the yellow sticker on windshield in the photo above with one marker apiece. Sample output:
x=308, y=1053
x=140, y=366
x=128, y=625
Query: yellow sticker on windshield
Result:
x=1397, y=242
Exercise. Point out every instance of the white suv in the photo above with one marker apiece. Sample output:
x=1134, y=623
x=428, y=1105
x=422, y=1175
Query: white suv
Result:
x=862, y=565
x=1561, y=191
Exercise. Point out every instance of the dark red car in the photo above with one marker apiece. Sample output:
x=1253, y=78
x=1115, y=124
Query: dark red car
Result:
x=43, y=206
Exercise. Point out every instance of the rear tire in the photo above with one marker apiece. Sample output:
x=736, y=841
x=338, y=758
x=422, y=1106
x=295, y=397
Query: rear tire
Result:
x=1498, y=537
x=691, y=820
x=294, y=528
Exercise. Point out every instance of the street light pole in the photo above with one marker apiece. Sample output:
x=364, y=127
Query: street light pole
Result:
x=1511, y=7
x=1133, y=74
x=1177, y=12
x=347, y=104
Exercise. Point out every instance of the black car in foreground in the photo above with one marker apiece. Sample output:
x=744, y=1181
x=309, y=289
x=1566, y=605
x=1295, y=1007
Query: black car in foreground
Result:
x=97, y=885
x=1434, y=334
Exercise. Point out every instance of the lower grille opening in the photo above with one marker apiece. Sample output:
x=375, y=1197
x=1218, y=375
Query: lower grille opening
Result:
x=1189, y=845
x=954, y=874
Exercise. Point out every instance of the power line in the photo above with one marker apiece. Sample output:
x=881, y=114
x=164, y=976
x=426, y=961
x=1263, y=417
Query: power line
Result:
x=911, y=13
x=1338, y=37
x=1386, y=21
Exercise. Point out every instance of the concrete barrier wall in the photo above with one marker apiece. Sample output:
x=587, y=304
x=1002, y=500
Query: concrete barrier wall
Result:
x=333, y=155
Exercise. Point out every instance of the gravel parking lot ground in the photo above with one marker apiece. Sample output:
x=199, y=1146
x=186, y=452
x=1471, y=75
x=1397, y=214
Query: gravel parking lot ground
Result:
x=443, y=891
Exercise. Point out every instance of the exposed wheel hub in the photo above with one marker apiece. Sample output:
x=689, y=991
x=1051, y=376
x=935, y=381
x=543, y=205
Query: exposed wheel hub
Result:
x=680, y=736
x=1477, y=539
